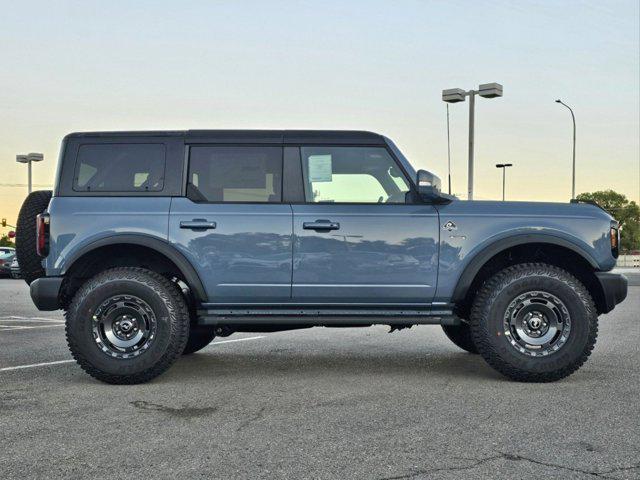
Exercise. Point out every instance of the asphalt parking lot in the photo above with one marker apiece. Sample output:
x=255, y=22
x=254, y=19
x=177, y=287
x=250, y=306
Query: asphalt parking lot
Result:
x=317, y=403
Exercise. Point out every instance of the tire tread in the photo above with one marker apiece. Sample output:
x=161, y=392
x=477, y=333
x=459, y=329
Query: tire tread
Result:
x=172, y=298
x=487, y=295
x=28, y=259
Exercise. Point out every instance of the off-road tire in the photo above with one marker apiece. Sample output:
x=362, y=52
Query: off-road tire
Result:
x=199, y=337
x=172, y=320
x=28, y=259
x=490, y=306
x=461, y=336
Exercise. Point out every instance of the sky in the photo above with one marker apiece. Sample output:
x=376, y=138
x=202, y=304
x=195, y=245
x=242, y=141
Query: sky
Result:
x=365, y=65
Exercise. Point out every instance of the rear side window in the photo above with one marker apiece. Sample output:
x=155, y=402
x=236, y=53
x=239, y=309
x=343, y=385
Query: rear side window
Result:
x=235, y=174
x=135, y=167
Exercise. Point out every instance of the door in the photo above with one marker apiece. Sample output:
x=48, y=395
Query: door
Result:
x=358, y=236
x=233, y=226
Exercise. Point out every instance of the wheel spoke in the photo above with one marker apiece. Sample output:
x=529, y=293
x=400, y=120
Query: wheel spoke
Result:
x=124, y=326
x=537, y=323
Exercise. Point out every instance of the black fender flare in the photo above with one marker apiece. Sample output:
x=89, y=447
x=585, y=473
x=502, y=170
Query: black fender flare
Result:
x=160, y=246
x=482, y=257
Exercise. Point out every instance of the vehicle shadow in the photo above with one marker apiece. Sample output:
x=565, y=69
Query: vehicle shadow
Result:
x=287, y=361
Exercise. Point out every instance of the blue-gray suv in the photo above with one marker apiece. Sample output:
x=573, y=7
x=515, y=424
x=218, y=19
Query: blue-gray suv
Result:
x=153, y=243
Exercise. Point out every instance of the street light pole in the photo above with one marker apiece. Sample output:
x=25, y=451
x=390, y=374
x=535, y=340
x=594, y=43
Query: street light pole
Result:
x=28, y=159
x=573, y=171
x=454, y=95
x=448, y=151
x=472, y=121
x=503, y=166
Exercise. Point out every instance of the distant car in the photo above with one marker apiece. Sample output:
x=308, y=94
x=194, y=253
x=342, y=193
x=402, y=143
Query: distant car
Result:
x=7, y=254
x=15, y=268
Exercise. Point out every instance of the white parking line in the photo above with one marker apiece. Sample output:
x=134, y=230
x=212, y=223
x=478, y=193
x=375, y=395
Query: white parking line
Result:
x=21, y=367
x=235, y=340
x=16, y=318
x=27, y=320
x=60, y=362
x=8, y=328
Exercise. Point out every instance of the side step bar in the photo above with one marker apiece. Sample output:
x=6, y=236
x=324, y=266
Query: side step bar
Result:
x=324, y=317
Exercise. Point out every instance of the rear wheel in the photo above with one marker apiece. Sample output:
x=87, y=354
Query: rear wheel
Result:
x=28, y=259
x=199, y=337
x=127, y=325
x=534, y=322
x=461, y=336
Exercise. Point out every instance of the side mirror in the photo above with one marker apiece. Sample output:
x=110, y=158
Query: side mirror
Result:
x=429, y=187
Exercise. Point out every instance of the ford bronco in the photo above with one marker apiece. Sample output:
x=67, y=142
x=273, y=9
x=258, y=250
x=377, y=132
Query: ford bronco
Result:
x=154, y=243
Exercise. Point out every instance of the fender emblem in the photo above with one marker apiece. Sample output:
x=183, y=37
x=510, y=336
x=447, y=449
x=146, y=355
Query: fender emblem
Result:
x=449, y=226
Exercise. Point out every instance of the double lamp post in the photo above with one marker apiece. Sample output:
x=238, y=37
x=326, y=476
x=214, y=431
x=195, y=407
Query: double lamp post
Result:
x=455, y=95
x=29, y=159
x=493, y=90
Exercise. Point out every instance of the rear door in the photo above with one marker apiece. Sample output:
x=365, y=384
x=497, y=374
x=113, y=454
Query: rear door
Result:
x=359, y=237
x=232, y=224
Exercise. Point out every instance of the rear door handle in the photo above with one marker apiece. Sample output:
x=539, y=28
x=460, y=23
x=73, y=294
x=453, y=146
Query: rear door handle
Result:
x=198, y=224
x=320, y=225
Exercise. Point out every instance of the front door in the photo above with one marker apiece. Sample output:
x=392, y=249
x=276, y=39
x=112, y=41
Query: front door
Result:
x=358, y=236
x=233, y=226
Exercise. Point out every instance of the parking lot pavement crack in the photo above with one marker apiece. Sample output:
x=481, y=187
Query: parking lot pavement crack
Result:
x=511, y=457
x=619, y=469
x=254, y=418
x=605, y=474
x=185, y=412
x=415, y=473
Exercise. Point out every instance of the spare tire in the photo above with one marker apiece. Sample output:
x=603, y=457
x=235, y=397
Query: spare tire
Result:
x=28, y=259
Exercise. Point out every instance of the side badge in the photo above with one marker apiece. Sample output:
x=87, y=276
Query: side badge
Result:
x=449, y=226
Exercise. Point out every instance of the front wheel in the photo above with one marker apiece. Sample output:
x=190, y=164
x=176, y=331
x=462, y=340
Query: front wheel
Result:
x=127, y=325
x=534, y=322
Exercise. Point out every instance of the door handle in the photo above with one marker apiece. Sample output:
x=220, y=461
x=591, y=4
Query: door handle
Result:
x=320, y=225
x=198, y=224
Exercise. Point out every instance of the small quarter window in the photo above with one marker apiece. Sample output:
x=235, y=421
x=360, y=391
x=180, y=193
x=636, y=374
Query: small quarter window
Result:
x=132, y=167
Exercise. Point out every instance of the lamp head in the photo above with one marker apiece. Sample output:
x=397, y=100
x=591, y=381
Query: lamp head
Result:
x=35, y=157
x=490, y=90
x=453, y=95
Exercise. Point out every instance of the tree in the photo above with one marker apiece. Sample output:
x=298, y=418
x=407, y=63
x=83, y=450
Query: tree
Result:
x=6, y=242
x=625, y=212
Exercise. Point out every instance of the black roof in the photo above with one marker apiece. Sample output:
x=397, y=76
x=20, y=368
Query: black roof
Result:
x=253, y=136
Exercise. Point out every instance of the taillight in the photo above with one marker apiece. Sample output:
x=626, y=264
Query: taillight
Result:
x=42, y=233
x=614, y=238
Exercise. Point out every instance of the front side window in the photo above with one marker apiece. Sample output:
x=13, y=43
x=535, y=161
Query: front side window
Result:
x=135, y=167
x=235, y=174
x=352, y=175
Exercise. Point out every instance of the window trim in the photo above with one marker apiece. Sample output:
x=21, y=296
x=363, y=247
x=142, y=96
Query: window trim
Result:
x=76, y=170
x=414, y=198
x=187, y=162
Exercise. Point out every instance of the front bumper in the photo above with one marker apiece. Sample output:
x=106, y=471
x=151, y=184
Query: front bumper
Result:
x=614, y=288
x=45, y=291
